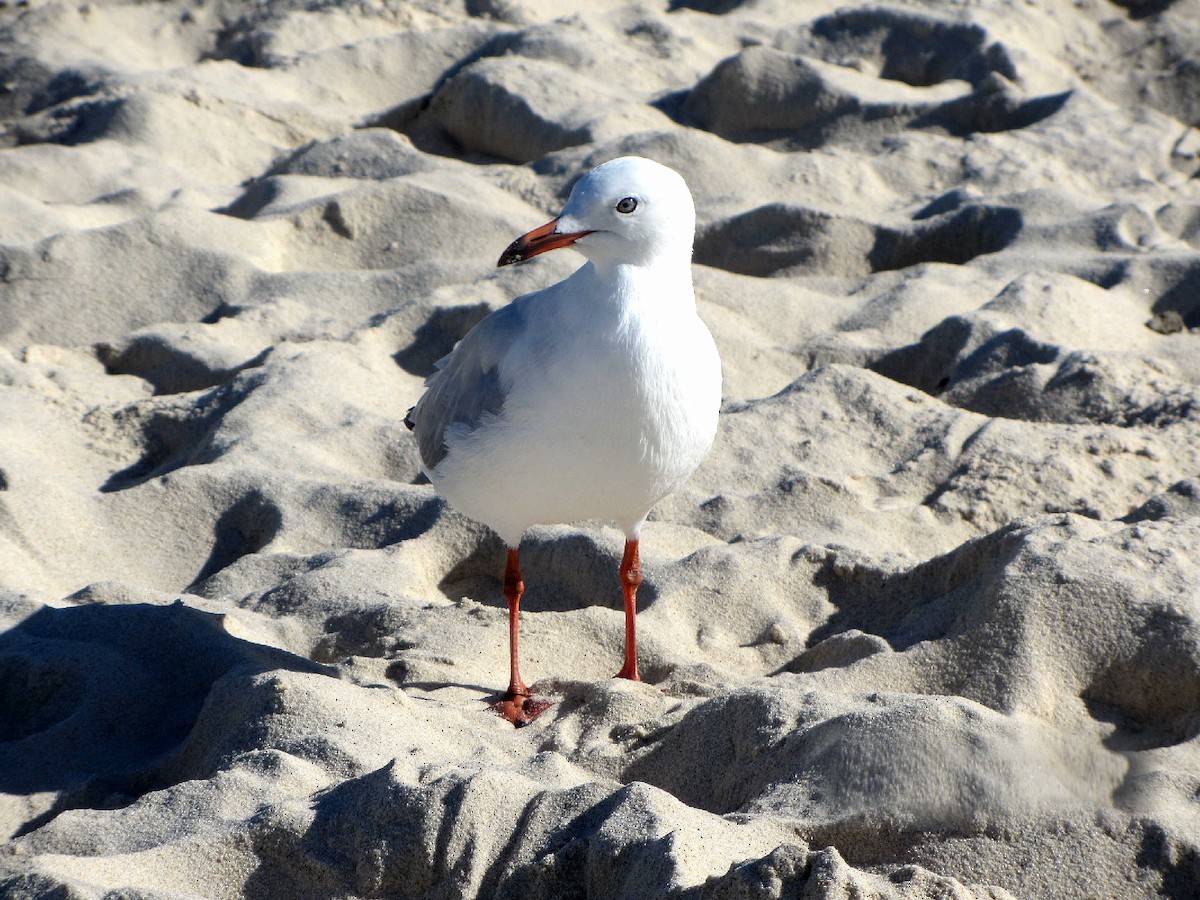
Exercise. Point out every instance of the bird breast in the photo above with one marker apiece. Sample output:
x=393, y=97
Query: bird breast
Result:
x=626, y=410
x=610, y=400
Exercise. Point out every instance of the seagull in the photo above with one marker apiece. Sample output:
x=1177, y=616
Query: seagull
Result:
x=589, y=400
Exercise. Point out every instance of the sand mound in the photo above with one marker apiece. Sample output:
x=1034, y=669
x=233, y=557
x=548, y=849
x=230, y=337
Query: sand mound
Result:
x=925, y=624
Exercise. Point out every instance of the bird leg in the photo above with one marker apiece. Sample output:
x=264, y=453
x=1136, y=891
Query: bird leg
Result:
x=631, y=578
x=517, y=705
x=514, y=587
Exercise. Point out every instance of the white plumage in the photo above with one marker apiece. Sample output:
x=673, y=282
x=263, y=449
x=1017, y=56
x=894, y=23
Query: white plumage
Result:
x=591, y=399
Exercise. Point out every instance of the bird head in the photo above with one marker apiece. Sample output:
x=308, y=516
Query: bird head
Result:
x=627, y=211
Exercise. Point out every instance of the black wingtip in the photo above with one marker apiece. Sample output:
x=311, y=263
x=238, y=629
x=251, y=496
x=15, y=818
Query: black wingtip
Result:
x=408, y=419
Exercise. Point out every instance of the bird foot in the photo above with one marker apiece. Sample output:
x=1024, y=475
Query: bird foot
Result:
x=629, y=672
x=520, y=709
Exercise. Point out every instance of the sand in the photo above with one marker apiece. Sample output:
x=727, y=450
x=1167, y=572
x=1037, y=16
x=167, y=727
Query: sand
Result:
x=926, y=623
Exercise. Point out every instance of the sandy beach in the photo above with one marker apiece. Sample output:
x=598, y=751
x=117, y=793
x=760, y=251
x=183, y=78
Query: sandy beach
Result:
x=925, y=623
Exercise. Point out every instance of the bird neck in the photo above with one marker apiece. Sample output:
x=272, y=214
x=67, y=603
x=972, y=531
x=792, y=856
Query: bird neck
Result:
x=664, y=282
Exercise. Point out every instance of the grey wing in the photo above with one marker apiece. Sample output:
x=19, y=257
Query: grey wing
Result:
x=467, y=385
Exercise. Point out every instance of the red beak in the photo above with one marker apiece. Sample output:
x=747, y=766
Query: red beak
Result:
x=538, y=241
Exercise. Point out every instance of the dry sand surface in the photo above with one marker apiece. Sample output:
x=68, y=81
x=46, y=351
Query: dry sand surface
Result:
x=925, y=624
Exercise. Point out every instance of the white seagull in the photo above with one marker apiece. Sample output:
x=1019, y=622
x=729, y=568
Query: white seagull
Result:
x=591, y=399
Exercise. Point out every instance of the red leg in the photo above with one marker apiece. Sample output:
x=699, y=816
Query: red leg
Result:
x=517, y=705
x=631, y=578
x=514, y=587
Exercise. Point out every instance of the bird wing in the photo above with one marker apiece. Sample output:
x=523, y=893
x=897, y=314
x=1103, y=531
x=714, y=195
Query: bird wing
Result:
x=467, y=385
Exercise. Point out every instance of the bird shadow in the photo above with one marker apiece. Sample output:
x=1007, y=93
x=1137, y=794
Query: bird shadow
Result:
x=562, y=573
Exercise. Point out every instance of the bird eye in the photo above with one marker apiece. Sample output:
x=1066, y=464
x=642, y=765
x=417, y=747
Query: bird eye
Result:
x=627, y=205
